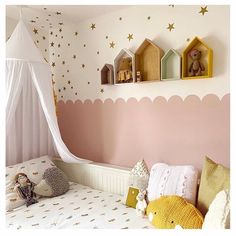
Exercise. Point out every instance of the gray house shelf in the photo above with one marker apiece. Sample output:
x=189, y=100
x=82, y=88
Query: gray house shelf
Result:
x=107, y=74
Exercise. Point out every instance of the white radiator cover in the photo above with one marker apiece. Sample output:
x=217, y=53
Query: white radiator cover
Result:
x=99, y=176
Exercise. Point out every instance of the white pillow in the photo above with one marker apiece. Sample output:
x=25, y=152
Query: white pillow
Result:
x=218, y=215
x=34, y=170
x=172, y=180
x=138, y=178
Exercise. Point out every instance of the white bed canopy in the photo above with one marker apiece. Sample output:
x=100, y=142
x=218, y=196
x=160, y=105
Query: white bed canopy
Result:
x=30, y=108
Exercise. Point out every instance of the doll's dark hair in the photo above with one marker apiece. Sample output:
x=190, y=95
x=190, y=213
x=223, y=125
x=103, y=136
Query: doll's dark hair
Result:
x=17, y=176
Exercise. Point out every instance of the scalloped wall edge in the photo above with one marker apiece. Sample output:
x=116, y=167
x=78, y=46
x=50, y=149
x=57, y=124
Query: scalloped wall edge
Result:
x=120, y=99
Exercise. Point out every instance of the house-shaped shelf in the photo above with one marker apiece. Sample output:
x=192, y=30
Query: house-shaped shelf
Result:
x=206, y=59
x=171, y=65
x=148, y=61
x=107, y=74
x=123, y=58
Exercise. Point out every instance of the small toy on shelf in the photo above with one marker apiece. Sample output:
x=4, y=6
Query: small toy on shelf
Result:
x=124, y=73
x=141, y=204
x=196, y=68
x=24, y=188
x=138, y=76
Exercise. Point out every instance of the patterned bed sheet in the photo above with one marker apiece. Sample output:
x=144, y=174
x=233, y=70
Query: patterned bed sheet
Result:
x=81, y=207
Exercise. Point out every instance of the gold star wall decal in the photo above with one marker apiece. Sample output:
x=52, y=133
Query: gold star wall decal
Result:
x=68, y=44
x=112, y=44
x=59, y=45
x=88, y=82
x=83, y=65
x=188, y=39
x=149, y=17
x=51, y=32
x=130, y=36
x=106, y=37
x=74, y=56
x=44, y=37
x=84, y=45
x=63, y=62
x=76, y=93
x=203, y=10
x=60, y=23
x=71, y=87
x=33, y=21
x=171, y=5
x=68, y=82
x=64, y=88
x=60, y=30
x=97, y=69
x=76, y=33
x=52, y=44
x=120, y=18
x=170, y=27
x=97, y=52
x=35, y=31
x=58, y=13
x=102, y=90
x=44, y=8
x=93, y=26
x=53, y=64
x=59, y=90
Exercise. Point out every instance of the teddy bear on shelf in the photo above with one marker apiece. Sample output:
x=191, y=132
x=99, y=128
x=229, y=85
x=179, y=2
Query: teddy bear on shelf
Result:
x=196, y=68
x=24, y=188
x=141, y=203
x=124, y=73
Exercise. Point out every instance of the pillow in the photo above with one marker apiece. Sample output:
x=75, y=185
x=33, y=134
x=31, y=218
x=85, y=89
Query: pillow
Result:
x=218, y=215
x=169, y=212
x=34, y=170
x=138, y=180
x=214, y=178
x=54, y=183
x=172, y=180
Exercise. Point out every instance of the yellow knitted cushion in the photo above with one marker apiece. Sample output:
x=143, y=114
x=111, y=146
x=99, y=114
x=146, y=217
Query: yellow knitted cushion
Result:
x=168, y=211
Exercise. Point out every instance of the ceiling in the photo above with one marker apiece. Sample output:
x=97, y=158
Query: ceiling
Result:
x=48, y=16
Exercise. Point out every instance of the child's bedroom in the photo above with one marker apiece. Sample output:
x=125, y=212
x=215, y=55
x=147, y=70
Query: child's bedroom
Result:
x=117, y=116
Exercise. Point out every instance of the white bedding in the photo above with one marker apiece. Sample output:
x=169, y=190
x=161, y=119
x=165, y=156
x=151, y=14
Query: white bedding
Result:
x=80, y=207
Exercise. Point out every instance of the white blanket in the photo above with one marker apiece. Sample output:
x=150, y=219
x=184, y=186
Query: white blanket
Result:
x=80, y=207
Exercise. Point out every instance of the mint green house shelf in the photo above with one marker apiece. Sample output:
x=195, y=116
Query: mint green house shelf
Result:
x=171, y=66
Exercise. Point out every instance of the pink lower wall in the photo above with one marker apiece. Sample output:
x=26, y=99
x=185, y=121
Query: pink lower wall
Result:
x=176, y=131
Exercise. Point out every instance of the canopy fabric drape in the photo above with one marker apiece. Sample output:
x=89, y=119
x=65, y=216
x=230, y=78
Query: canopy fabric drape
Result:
x=31, y=123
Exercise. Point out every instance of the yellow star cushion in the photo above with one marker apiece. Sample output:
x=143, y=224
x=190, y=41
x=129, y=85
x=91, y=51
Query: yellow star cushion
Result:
x=167, y=212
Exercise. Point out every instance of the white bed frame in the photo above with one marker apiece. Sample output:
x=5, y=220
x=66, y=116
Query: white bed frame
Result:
x=96, y=175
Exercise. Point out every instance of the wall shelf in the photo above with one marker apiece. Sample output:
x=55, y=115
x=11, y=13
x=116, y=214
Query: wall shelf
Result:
x=107, y=74
x=206, y=59
x=171, y=66
x=148, y=61
x=123, y=56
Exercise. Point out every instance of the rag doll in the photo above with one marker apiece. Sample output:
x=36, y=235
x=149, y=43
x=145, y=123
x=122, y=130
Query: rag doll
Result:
x=24, y=188
x=141, y=204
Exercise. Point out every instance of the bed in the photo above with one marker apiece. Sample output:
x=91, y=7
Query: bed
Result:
x=81, y=207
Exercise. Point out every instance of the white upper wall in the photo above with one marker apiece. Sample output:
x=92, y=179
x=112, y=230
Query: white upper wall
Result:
x=79, y=77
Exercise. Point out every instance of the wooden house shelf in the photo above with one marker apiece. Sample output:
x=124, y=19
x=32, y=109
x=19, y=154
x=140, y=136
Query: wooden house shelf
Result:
x=123, y=60
x=206, y=59
x=148, y=62
x=107, y=74
x=171, y=66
